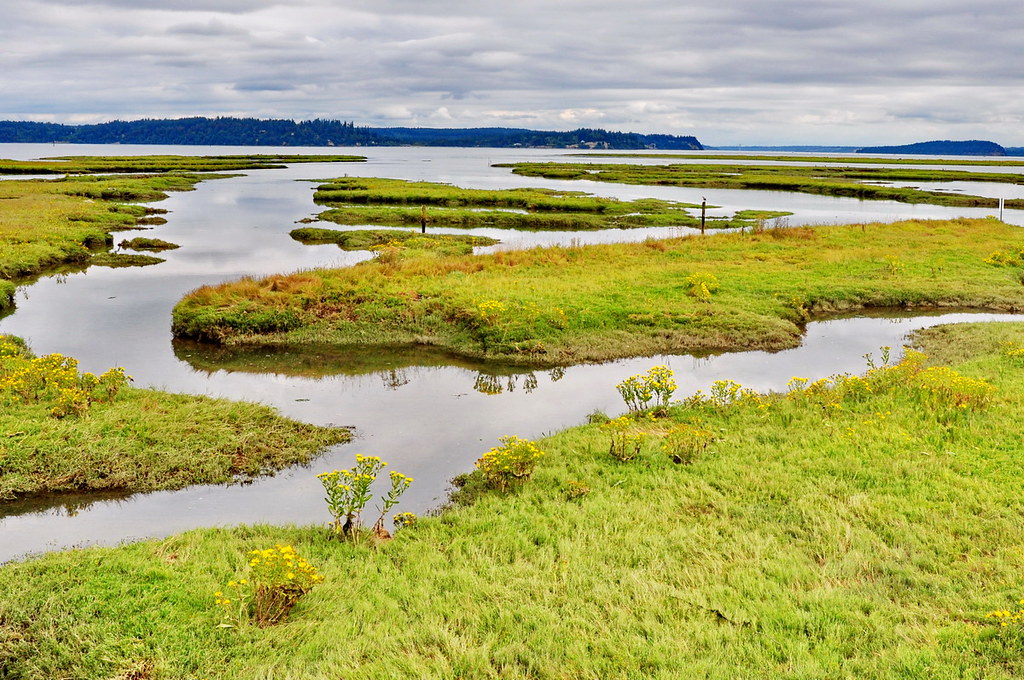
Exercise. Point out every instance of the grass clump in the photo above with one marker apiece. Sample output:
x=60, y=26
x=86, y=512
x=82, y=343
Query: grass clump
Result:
x=393, y=241
x=562, y=305
x=61, y=430
x=786, y=548
x=140, y=243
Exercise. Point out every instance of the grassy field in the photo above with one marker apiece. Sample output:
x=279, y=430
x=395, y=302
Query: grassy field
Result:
x=569, y=304
x=863, y=529
x=828, y=180
x=62, y=431
x=393, y=202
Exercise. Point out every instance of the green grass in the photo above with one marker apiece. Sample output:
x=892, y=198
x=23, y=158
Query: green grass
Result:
x=161, y=164
x=849, y=160
x=827, y=180
x=569, y=304
x=141, y=243
x=143, y=440
x=45, y=224
x=392, y=202
x=790, y=548
x=391, y=239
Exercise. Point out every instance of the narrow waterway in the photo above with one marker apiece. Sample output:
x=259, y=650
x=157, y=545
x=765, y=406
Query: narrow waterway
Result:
x=428, y=415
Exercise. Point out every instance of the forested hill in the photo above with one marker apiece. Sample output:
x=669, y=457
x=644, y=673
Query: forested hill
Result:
x=973, y=147
x=260, y=132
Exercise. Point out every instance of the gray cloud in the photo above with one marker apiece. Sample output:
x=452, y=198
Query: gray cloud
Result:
x=743, y=71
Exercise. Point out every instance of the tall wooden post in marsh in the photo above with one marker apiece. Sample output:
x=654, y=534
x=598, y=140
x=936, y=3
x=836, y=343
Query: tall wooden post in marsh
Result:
x=423, y=219
x=703, y=212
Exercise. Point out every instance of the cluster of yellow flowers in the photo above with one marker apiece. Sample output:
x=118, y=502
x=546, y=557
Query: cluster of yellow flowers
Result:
x=278, y=577
x=1000, y=258
x=54, y=378
x=512, y=462
x=282, y=567
x=490, y=311
x=404, y=519
x=626, y=441
x=1013, y=351
x=657, y=384
x=1005, y=617
x=684, y=442
x=348, y=492
x=702, y=285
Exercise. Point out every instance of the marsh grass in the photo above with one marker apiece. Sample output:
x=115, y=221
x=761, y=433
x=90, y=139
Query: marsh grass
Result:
x=827, y=180
x=48, y=223
x=378, y=239
x=141, y=243
x=392, y=202
x=144, y=440
x=561, y=305
x=786, y=549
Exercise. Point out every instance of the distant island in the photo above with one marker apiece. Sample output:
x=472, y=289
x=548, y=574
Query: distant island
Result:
x=277, y=132
x=973, y=147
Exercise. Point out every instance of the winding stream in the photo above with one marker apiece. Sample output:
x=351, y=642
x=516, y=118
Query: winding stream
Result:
x=428, y=415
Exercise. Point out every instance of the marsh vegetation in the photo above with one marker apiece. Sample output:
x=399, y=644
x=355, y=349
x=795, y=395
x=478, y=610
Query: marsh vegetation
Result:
x=833, y=179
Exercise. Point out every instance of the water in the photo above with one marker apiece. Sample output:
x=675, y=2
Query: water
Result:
x=428, y=415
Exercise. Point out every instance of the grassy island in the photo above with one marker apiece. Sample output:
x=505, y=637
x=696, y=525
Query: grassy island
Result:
x=832, y=179
x=62, y=431
x=563, y=305
x=856, y=528
x=399, y=203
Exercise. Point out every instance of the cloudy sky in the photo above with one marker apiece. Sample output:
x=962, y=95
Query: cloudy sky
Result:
x=728, y=71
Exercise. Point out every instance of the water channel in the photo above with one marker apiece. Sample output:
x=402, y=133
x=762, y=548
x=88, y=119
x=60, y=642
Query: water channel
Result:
x=429, y=415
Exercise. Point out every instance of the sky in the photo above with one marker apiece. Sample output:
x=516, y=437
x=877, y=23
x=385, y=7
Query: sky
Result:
x=730, y=72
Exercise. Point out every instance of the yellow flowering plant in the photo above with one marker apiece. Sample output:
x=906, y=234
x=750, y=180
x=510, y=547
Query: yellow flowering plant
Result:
x=625, y=441
x=348, y=492
x=685, y=442
x=657, y=384
x=53, y=379
x=509, y=464
x=278, y=577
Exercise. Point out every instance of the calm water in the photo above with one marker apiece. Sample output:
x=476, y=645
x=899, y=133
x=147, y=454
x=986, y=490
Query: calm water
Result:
x=428, y=415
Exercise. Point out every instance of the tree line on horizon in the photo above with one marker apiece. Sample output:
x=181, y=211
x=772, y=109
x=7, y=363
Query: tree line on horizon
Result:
x=228, y=131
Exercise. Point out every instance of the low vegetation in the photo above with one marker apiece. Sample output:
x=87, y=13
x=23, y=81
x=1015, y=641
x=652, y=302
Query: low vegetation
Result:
x=860, y=527
x=156, y=164
x=62, y=430
x=562, y=305
x=393, y=202
x=829, y=180
x=802, y=159
x=141, y=243
x=45, y=224
x=392, y=239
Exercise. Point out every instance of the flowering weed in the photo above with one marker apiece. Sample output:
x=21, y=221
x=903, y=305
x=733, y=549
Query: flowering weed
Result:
x=348, y=492
x=656, y=385
x=278, y=577
x=509, y=464
x=625, y=440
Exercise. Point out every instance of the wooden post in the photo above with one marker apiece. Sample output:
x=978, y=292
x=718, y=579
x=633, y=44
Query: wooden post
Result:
x=423, y=219
x=703, y=212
